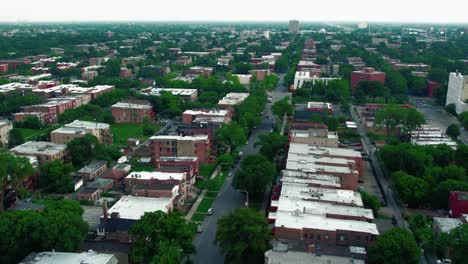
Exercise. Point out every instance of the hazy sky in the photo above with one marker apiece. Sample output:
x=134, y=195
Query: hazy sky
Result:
x=235, y=10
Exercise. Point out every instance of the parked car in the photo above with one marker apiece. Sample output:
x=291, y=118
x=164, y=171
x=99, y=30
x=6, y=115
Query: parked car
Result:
x=199, y=228
x=210, y=211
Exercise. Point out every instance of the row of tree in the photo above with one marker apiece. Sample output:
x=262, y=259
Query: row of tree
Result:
x=424, y=175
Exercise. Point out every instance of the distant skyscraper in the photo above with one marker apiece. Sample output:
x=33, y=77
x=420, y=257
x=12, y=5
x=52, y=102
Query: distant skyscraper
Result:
x=293, y=26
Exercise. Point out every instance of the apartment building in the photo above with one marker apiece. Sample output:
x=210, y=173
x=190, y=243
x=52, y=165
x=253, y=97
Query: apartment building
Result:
x=5, y=128
x=457, y=92
x=186, y=94
x=367, y=74
x=42, y=150
x=232, y=99
x=301, y=77
x=132, y=111
x=317, y=135
x=211, y=117
x=92, y=170
x=183, y=146
x=77, y=129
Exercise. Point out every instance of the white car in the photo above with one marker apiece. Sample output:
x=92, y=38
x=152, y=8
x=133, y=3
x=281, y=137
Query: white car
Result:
x=210, y=211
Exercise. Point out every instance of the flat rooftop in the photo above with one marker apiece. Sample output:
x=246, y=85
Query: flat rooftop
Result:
x=298, y=220
x=132, y=105
x=211, y=112
x=233, y=99
x=171, y=137
x=88, y=125
x=313, y=150
x=174, y=91
x=297, y=257
x=177, y=158
x=317, y=208
x=159, y=175
x=93, y=166
x=133, y=207
x=39, y=148
x=90, y=257
x=447, y=224
x=302, y=191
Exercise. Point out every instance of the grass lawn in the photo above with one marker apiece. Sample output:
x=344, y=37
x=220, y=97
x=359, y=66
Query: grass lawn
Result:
x=205, y=204
x=29, y=134
x=122, y=132
x=206, y=169
x=211, y=194
x=198, y=217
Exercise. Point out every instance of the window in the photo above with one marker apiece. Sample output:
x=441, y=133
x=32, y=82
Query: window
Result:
x=342, y=237
x=358, y=238
x=305, y=235
x=318, y=237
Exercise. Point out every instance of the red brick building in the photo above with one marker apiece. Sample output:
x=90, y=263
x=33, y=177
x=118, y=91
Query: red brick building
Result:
x=458, y=203
x=132, y=111
x=368, y=74
x=214, y=117
x=183, y=146
x=3, y=67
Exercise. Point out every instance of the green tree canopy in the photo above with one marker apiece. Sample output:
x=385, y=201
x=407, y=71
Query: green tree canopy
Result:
x=255, y=173
x=271, y=144
x=56, y=177
x=243, y=236
x=453, y=131
x=395, y=246
x=412, y=190
x=282, y=107
x=231, y=135
x=13, y=171
x=160, y=237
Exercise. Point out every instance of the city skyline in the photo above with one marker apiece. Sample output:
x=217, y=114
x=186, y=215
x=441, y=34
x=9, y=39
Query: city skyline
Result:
x=243, y=10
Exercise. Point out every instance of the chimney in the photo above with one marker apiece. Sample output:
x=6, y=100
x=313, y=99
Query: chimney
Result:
x=105, y=211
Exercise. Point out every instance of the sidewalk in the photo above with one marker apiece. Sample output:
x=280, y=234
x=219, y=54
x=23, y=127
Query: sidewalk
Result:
x=200, y=197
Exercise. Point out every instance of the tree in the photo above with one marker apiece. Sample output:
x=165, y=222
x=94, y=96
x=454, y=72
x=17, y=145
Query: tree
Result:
x=158, y=236
x=371, y=201
x=438, y=75
x=243, y=236
x=242, y=68
x=56, y=177
x=59, y=226
x=412, y=119
x=395, y=246
x=463, y=117
x=451, y=109
x=271, y=144
x=412, y=190
x=282, y=107
x=389, y=116
x=231, y=135
x=255, y=173
x=332, y=123
x=16, y=138
x=87, y=148
x=13, y=171
x=458, y=243
x=225, y=160
x=453, y=131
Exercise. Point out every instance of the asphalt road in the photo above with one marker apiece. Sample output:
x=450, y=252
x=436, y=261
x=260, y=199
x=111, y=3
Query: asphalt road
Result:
x=228, y=198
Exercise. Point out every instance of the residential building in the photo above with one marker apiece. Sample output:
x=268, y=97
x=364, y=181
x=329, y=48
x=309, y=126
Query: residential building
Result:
x=160, y=184
x=275, y=256
x=213, y=116
x=92, y=170
x=293, y=26
x=78, y=129
x=89, y=194
x=304, y=76
x=186, y=94
x=89, y=257
x=317, y=135
x=5, y=128
x=260, y=74
x=458, y=203
x=117, y=173
x=231, y=100
x=368, y=74
x=42, y=150
x=457, y=92
x=320, y=230
x=3, y=67
x=183, y=146
x=188, y=165
x=199, y=71
x=132, y=111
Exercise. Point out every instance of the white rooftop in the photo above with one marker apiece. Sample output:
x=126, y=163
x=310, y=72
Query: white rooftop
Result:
x=447, y=224
x=318, y=208
x=148, y=175
x=174, y=91
x=173, y=137
x=313, y=150
x=298, y=220
x=90, y=257
x=211, y=112
x=302, y=191
x=233, y=98
x=88, y=125
x=298, y=257
x=132, y=105
x=39, y=147
x=133, y=207
x=318, y=164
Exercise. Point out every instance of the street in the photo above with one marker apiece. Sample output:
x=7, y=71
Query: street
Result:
x=228, y=198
